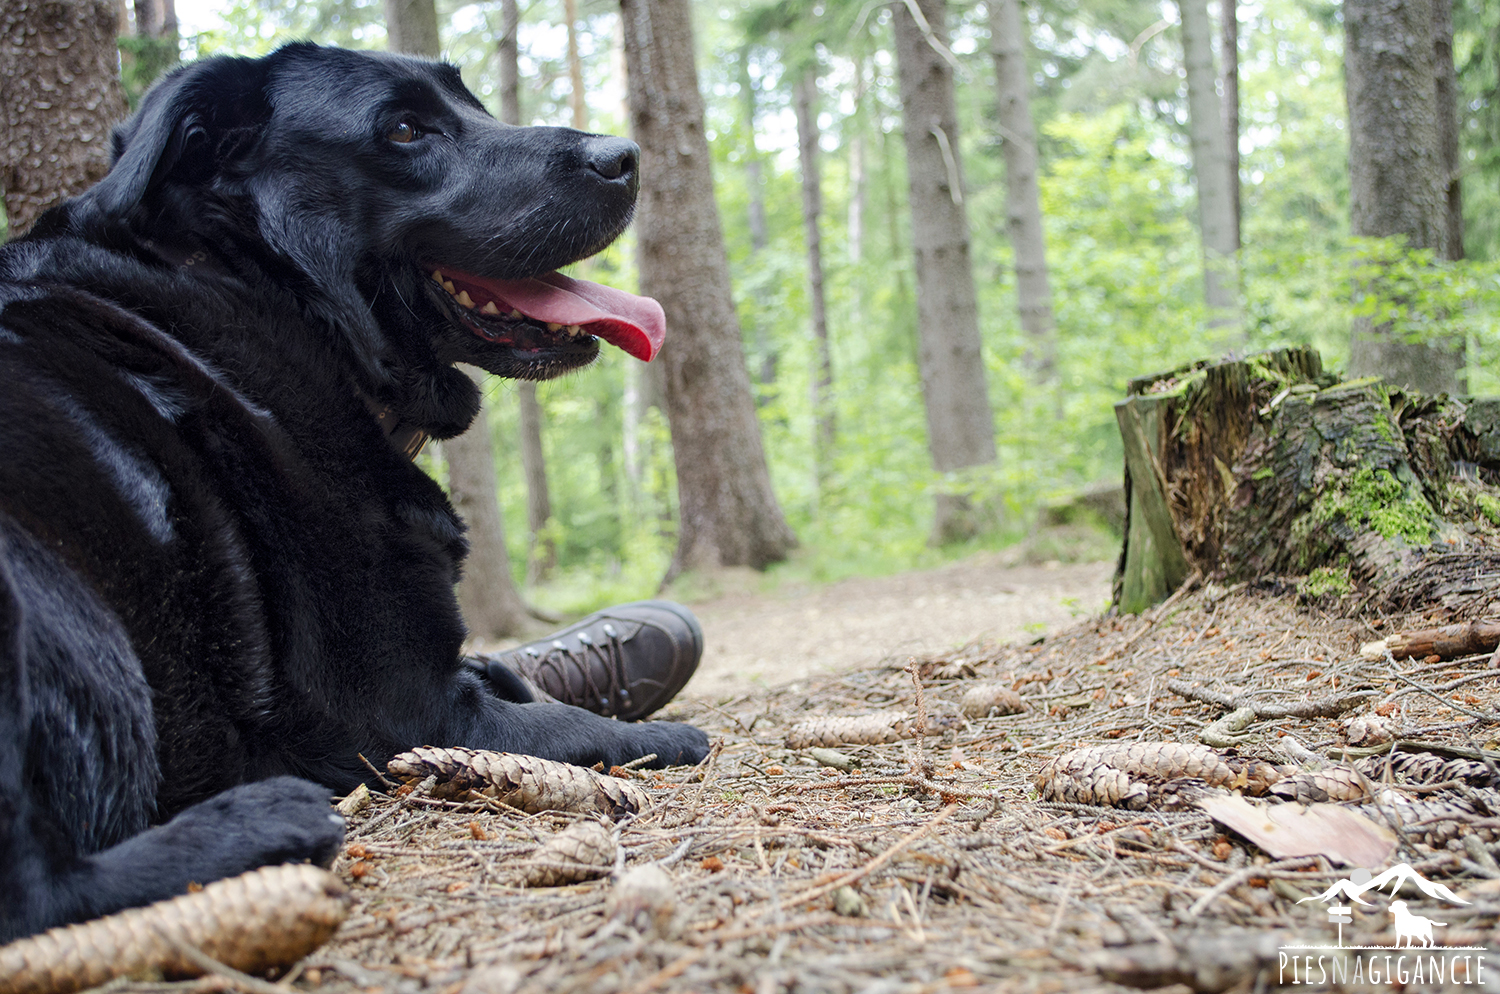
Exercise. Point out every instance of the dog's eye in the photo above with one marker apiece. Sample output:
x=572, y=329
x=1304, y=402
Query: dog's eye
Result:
x=403, y=133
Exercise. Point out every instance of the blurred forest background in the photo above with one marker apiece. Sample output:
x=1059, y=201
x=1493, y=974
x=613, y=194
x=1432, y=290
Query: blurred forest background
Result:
x=844, y=432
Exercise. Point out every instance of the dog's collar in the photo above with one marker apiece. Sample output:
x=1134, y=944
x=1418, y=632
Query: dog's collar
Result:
x=191, y=254
x=408, y=441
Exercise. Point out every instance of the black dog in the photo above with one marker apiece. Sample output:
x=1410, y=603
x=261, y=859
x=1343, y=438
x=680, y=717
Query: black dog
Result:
x=222, y=580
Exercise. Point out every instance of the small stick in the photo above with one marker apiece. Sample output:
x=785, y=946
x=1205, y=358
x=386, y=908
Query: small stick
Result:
x=1239, y=876
x=874, y=864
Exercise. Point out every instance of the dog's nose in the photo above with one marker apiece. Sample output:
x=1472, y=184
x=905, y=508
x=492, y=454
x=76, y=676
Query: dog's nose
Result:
x=612, y=158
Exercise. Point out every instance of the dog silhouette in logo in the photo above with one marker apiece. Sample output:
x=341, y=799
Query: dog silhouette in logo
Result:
x=1410, y=926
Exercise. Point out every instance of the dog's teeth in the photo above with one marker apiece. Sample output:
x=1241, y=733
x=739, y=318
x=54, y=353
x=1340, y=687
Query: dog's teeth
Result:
x=489, y=308
x=553, y=326
x=448, y=285
x=437, y=276
x=574, y=330
x=515, y=313
x=464, y=298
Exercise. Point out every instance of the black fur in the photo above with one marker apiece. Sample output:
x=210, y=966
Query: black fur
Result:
x=220, y=580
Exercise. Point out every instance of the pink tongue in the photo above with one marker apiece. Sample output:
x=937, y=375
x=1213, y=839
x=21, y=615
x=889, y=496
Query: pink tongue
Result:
x=635, y=324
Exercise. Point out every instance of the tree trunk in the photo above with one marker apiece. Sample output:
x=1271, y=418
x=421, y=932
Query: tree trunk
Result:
x=1267, y=467
x=960, y=424
x=507, y=63
x=1023, y=206
x=487, y=595
x=1216, y=223
x=1397, y=181
x=575, y=68
x=858, y=180
x=60, y=90
x=411, y=26
x=1230, y=50
x=1447, y=98
x=728, y=513
x=755, y=210
x=804, y=102
x=541, y=557
x=151, y=50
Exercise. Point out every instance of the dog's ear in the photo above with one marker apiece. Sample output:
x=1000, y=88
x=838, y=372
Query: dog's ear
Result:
x=181, y=128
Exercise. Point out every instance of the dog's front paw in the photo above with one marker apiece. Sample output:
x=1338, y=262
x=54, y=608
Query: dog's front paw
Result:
x=674, y=744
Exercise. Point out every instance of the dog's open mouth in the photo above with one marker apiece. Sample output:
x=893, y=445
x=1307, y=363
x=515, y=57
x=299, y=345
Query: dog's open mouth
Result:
x=554, y=310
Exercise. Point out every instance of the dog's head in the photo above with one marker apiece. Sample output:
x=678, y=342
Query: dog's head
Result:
x=404, y=216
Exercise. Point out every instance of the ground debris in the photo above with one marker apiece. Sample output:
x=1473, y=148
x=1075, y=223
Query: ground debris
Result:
x=1207, y=963
x=862, y=729
x=582, y=851
x=1126, y=775
x=263, y=920
x=523, y=782
x=990, y=700
x=920, y=864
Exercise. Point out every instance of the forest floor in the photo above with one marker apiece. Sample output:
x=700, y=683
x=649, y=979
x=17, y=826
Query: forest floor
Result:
x=932, y=863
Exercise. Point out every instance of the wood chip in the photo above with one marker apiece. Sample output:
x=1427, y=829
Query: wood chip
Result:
x=263, y=920
x=526, y=782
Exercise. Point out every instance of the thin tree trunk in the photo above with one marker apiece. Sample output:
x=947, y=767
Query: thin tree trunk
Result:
x=1230, y=51
x=1398, y=184
x=1210, y=168
x=805, y=103
x=1023, y=207
x=541, y=557
x=507, y=58
x=755, y=210
x=960, y=424
x=575, y=68
x=60, y=95
x=411, y=26
x=1447, y=120
x=858, y=180
x=487, y=595
x=728, y=513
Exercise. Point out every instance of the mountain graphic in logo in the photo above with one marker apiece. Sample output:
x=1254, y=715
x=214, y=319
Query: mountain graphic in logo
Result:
x=1360, y=882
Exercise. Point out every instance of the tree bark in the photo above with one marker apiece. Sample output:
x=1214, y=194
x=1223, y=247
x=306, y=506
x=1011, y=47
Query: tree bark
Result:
x=728, y=512
x=1447, y=99
x=1267, y=467
x=541, y=556
x=411, y=26
x=1230, y=50
x=960, y=423
x=60, y=90
x=804, y=102
x=487, y=594
x=1211, y=170
x=1023, y=206
x=755, y=211
x=1397, y=181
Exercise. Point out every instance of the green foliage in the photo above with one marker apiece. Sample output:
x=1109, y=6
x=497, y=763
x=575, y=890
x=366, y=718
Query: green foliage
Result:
x=1326, y=581
x=142, y=60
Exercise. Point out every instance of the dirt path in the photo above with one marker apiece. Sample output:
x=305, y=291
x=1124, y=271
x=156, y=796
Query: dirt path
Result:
x=760, y=640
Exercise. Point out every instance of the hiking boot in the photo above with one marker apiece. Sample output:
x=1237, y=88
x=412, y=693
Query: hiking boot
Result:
x=623, y=662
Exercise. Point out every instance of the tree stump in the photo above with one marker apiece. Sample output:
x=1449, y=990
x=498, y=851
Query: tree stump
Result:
x=1268, y=467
